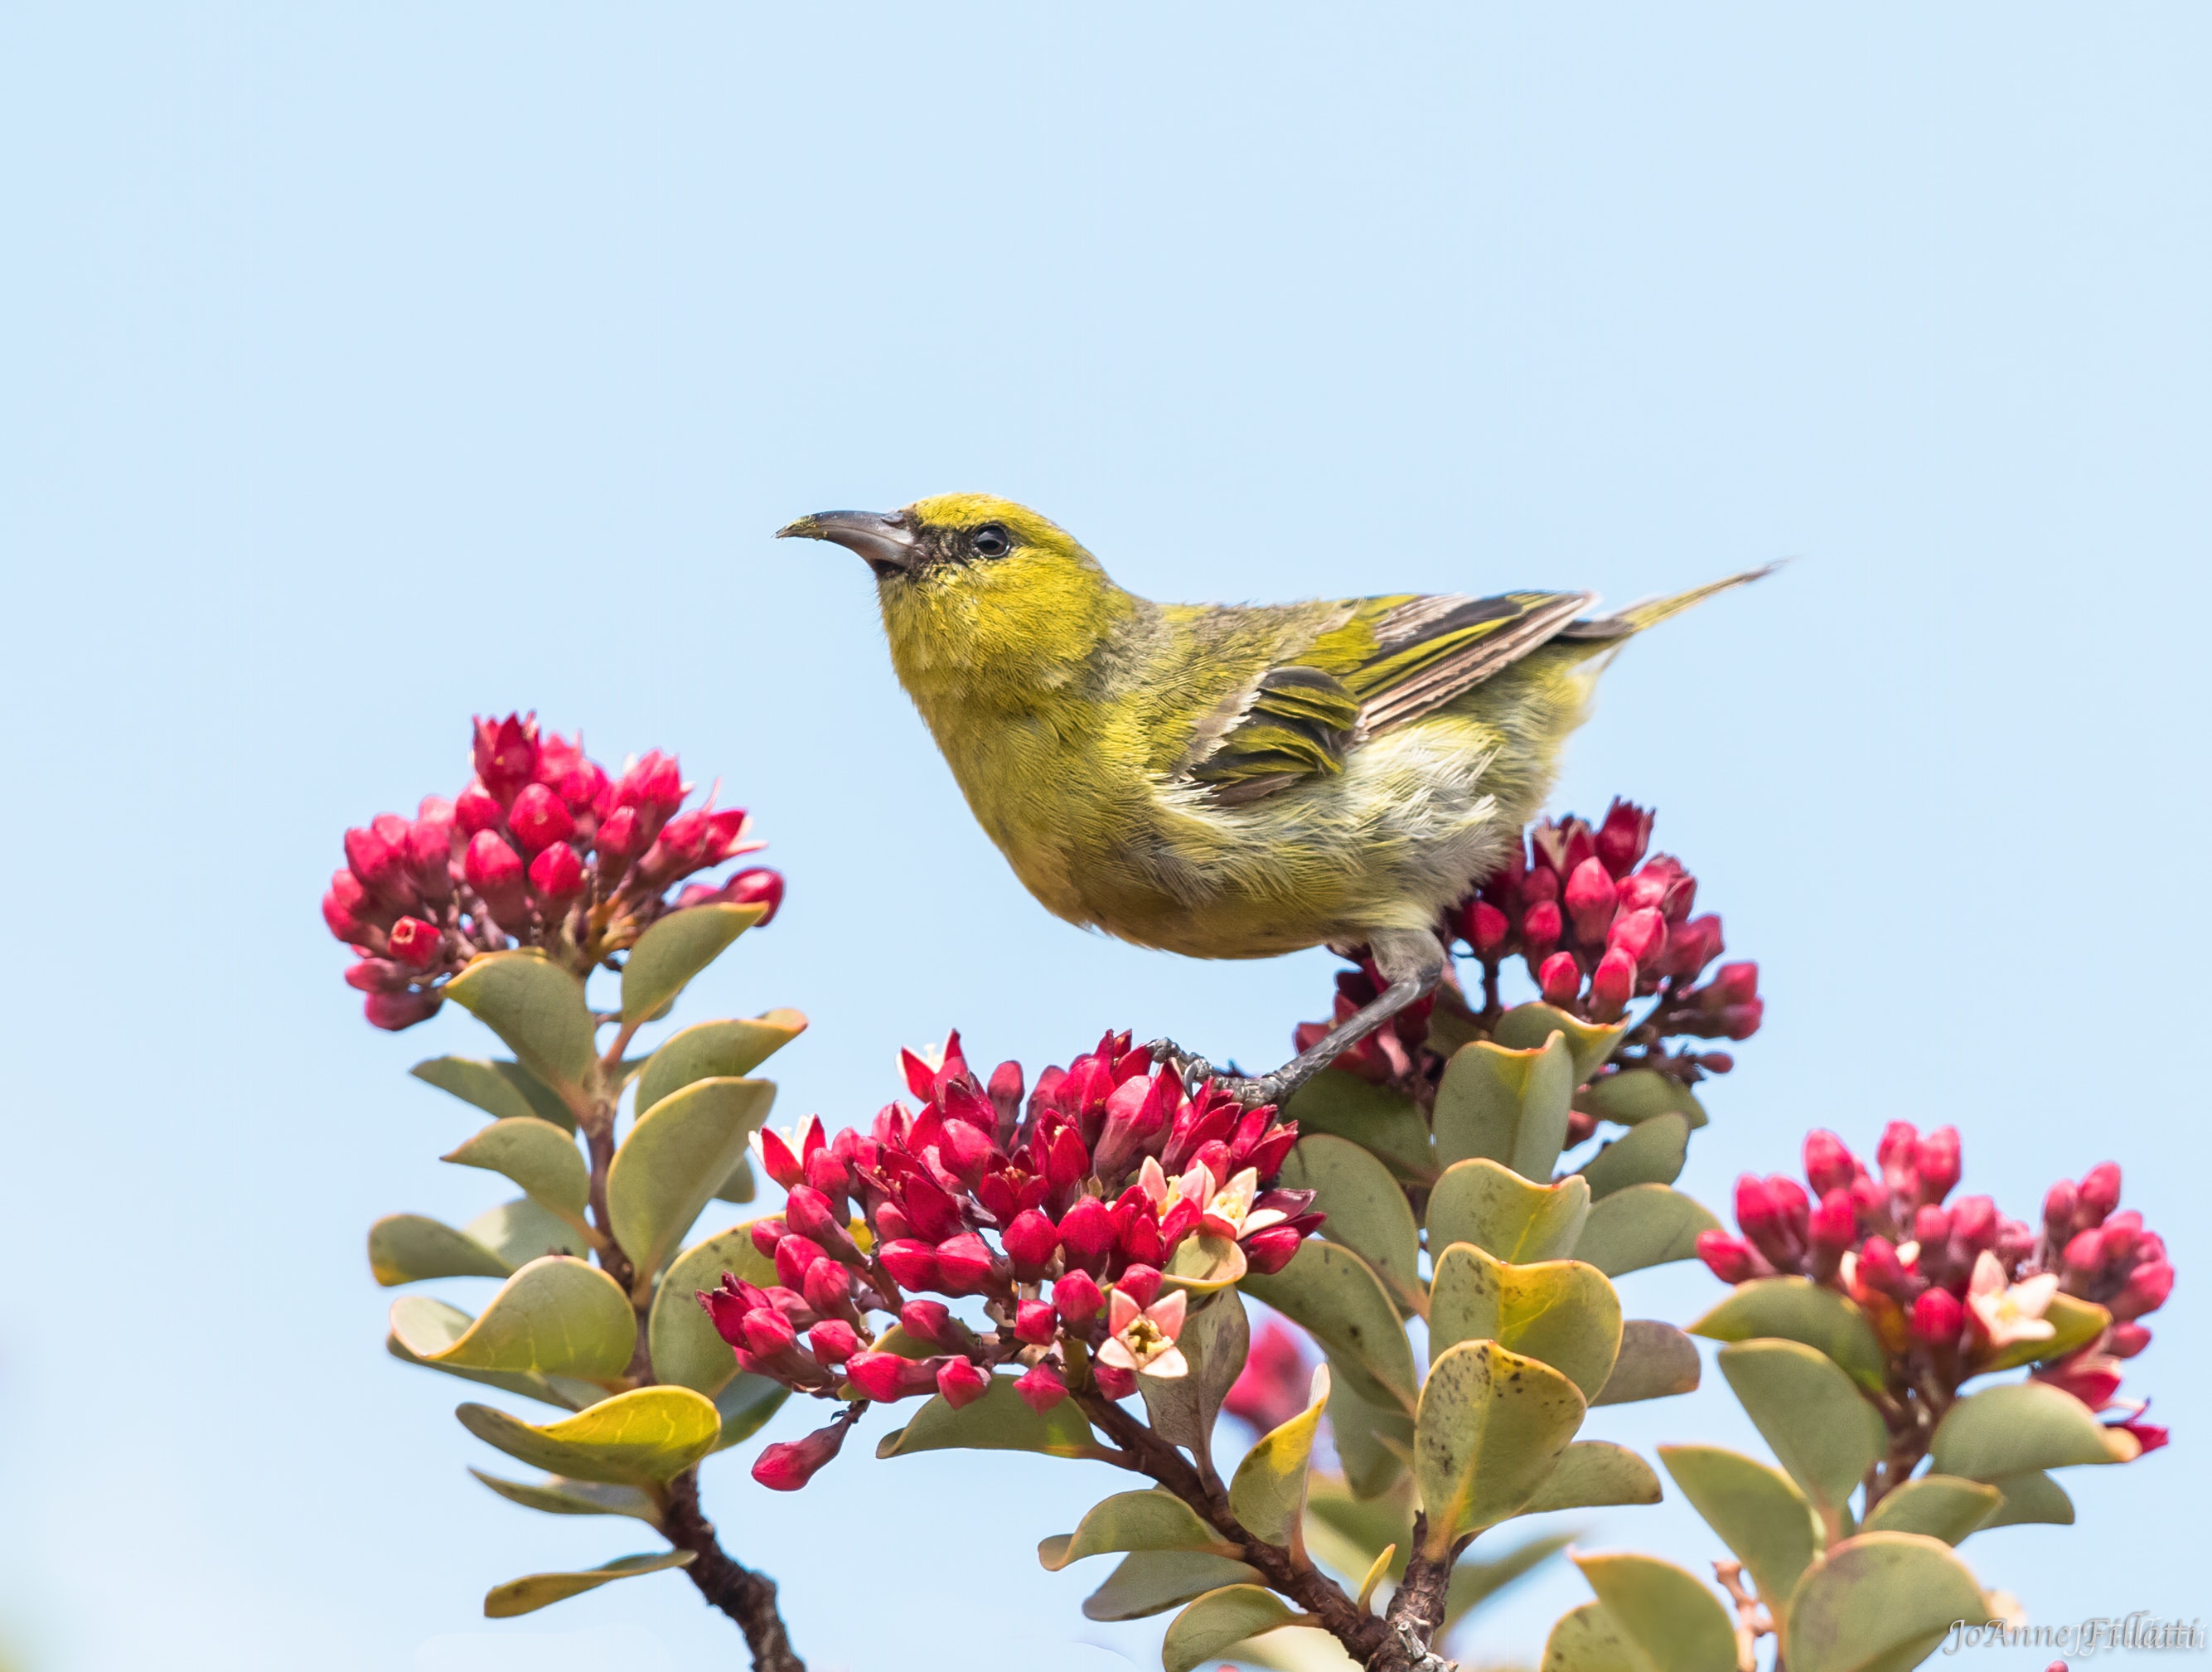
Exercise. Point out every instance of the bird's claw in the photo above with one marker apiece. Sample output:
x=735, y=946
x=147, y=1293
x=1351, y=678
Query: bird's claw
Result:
x=1250, y=1090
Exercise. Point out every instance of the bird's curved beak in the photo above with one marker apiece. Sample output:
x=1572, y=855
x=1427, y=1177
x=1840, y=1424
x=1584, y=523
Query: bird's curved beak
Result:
x=887, y=543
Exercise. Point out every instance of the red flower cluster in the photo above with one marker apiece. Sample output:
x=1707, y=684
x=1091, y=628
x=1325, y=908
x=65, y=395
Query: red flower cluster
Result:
x=1948, y=1289
x=543, y=848
x=1090, y=1188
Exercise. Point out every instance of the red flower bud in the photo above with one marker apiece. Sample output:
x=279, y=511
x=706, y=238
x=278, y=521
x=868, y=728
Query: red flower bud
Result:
x=829, y=1288
x=394, y=1011
x=1737, y=983
x=475, y=810
x=1936, y=1161
x=491, y=866
x=1540, y=929
x=886, y=1377
x=507, y=754
x=621, y=835
x=777, y=1161
x=1936, y=1319
x=557, y=874
x=1086, y=1233
x=1591, y=898
x=965, y=1265
x=1728, y=1258
x=1829, y=1165
x=1691, y=947
x=380, y=865
x=1040, y=1388
x=767, y=1332
x=346, y=908
x=1141, y=1284
x=1076, y=1297
x=1035, y=1322
x=1832, y=1224
x=759, y=886
x=1484, y=928
x=1640, y=934
x=429, y=848
x=834, y=1340
x=2127, y=1340
x=539, y=818
x=1611, y=984
x=1740, y=1022
x=2145, y=1290
x=377, y=975
x=1879, y=1267
x=415, y=943
x=962, y=1383
x=1031, y=1241
x=911, y=1263
x=1268, y=1251
x=2101, y=1191
x=1622, y=838
x=1560, y=979
x=790, y=1464
x=793, y=1255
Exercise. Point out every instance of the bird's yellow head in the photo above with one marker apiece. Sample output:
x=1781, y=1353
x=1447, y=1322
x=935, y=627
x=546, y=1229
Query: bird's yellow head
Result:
x=977, y=591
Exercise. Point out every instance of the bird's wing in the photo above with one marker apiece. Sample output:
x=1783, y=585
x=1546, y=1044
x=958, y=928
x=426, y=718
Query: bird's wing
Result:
x=1388, y=661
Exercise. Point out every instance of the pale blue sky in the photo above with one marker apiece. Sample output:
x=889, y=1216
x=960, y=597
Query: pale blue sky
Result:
x=363, y=371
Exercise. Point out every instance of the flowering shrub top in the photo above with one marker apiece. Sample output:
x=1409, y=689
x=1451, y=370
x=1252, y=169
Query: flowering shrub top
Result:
x=543, y=848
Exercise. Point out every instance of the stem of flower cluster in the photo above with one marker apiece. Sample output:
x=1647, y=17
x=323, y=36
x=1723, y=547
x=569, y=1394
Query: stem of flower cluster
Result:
x=1416, y=1612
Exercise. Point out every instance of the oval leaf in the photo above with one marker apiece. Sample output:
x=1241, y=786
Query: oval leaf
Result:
x=1653, y=1153
x=1938, y=1506
x=1585, y=1639
x=1374, y=1442
x=560, y=1496
x=998, y=1421
x=1506, y=1106
x=1218, y=1619
x=1333, y=1293
x=1644, y=1225
x=1216, y=1337
x=1151, y=1582
x=1153, y=1520
x=1491, y=1428
x=1497, y=1211
x=1878, y=1602
x=1378, y=1119
x=1758, y=1511
x=676, y=1153
x=645, y=1437
x=2020, y=1426
x=538, y=1008
x=1795, y=1309
x=538, y=1590
x=1656, y=1361
x=406, y=1248
x=1808, y=1411
x=714, y=1050
x=1367, y=1209
x=1560, y=1311
x=435, y=1324
x=536, y=1155
x=1671, y=1616
x=557, y=1316
x=1526, y=1027
x=520, y=1232
x=2033, y=1498
x=685, y=1347
x=1268, y=1493
x=674, y=950
x=1594, y=1473
x=1637, y=1095
x=504, y=1091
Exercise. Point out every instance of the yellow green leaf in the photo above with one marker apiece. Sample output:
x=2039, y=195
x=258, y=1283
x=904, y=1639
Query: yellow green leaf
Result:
x=677, y=948
x=1878, y=1602
x=1644, y=1225
x=540, y=1157
x=1937, y=1506
x=645, y=1437
x=538, y=1590
x=556, y=1316
x=1374, y=1442
x=1367, y=1208
x=2022, y=1426
x=1492, y=1427
x=1560, y=1311
x=1585, y=1639
x=557, y=1496
x=1595, y=1473
x=1508, y=1106
x=1268, y=1493
x=1336, y=1295
x=1651, y=1154
x=433, y=1324
x=998, y=1421
x=1758, y=1511
x=714, y=1050
x=1215, y=1338
x=1656, y=1361
x=685, y=1346
x=520, y=1232
x=1151, y=1582
x=675, y=1154
x=1219, y=1619
x=406, y=1248
x=1494, y=1208
x=1379, y=1120
x=1525, y=1027
x=1795, y=1309
x=1205, y=1265
x=1669, y=1617
x=1635, y=1095
x=538, y=1008
x=2030, y=1497
x=1154, y=1520
x=1807, y=1410
x=504, y=1089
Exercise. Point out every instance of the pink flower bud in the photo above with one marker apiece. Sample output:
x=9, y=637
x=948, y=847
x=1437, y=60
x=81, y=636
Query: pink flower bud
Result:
x=1973, y=1228
x=1542, y=926
x=1268, y=1251
x=1829, y=1165
x=347, y=911
x=1740, y=1022
x=1762, y=1212
x=1031, y=1241
x=2127, y=1340
x=834, y=1340
x=475, y=810
x=1591, y=897
x=886, y=1377
x=1691, y=947
x=429, y=846
x=378, y=975
x=2101, y=1191
x=790, y=1464
x=962, y=1383
x=766, y=1234
x=394, y=1011
x=1076, y=1297
x=1484, y=928
x=415, y=943
x=1737, y=983
x=778, y=1161
x=507, y=754
x=911, y=1263
x=1086, y=1234
x=1937, y=1318
x=1832, y=1224
x=767, y=1332
x=1936, y=1160
x=1035, y=1322
x=758, y=886
x=380, y=865
x=493, y=868
x=2145, y=1290
x=621, y=835
x=1880, y=1268
x=1560, y=979
x=1613, y=983
x=965, y=1265
x=1728, y=1258
x=539, y=818
x=557, y=873
x=1640, y=934
x=829, y=1288
x=793, y=1255
x=1141, y=1284
x=1040, y=1388
x=1622, y=838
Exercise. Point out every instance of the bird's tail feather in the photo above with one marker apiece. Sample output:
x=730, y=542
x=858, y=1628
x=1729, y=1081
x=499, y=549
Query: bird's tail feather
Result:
x=1650, y=611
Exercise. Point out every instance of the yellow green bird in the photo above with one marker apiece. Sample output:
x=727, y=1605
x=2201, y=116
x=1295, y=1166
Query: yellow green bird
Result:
x=1231, y=781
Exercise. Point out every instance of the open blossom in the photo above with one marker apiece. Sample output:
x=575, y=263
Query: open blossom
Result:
x=2010, y=1312
x=1144, y=1338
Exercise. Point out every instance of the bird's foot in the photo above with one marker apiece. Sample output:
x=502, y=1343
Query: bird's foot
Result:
x=1250, y=1090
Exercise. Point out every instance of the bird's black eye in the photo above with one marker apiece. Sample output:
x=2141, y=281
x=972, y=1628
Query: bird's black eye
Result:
x=990, y=541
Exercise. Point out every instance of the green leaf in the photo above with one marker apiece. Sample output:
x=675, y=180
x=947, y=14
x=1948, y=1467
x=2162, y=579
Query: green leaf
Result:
x=1219, y=1619
x=538, y=1590
x=1795, y=1309
x=1506, y=1106
x=1596, y=1473
x=556, y=1316
x=1151, y=1582
x=998, y=1421
x=1651, y=1154
x=1637, y=1095
x=2033, y=1498
x=677, y=1152
x=1526, y=1027
x=1656, y=1361
x=1808, y=1411
x=560, y=1496
x=685, y=1348
x=1154, y=1520
x=1585, y=1639
x=739, y=1187
x=1502, y=1213
x=1205, y=1265
x=1878, y=1602
x=1345, y=1532
x=538, y=1008
x=1473, y=1582
x=714, y=1050
x=520, y=1232
x=1492, y=1427
x=1939, y=1507
x=1268, y=1494
x=406, y=1248
x=435, y=1324
x=2019, y=1426
x=1216, y=1336
x=1334, y=1293
x=1374, y=1442
x=744, y=1403
x=1669, y=1617
x=1374, y=1117
x=1644, y=1225
x=1367, y=1210
x=674, y=950
x=1758, y=1511
x=506, y=1091
x=645, y=1437
x=2073, y=1323
x=540, y=1157
x=1560, y=1311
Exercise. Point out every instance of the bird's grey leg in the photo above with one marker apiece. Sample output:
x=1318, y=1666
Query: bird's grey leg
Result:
x=1410, y=960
